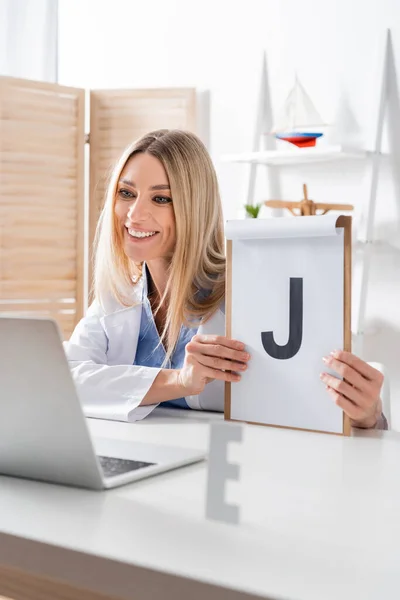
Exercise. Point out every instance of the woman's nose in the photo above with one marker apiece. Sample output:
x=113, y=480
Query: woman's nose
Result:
x=138, y=210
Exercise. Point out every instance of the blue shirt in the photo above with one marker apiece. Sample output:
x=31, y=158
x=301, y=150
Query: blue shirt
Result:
x=150, y=352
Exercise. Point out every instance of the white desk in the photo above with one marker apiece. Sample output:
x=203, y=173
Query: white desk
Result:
x=319, y=522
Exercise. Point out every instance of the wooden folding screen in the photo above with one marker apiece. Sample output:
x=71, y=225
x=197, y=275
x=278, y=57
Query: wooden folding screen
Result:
x=41, y=200
x=117, y=118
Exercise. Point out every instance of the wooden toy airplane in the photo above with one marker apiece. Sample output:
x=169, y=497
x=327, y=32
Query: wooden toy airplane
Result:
x=306, y=207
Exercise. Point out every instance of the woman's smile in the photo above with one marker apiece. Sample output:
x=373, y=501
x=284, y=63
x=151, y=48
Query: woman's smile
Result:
x=136, y=236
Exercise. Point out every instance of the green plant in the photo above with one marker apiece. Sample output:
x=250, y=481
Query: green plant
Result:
x=252, y=210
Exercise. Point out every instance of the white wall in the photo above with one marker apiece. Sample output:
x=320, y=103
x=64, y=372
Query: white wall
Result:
x=28, y=39
x=335, y=47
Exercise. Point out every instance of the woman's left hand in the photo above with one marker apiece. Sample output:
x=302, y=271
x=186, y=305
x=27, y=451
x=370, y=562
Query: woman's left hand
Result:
x=358, y=396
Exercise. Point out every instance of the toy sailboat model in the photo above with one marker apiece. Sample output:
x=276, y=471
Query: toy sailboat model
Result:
x=299, y=121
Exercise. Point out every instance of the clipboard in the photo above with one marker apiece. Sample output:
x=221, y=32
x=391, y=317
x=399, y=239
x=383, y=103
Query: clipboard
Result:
x=253, y=230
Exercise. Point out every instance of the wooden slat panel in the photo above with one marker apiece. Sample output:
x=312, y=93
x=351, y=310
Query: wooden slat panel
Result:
x=39, y=169
x=30, y=289
x=41, y=200
x=61, y=163
x=65, y=271
x=117, y=118
x=64, y=219
x=35, y=241
x=52, y=211
x=36, y=306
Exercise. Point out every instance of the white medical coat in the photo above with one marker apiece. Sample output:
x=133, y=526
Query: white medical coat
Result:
x=101, y=353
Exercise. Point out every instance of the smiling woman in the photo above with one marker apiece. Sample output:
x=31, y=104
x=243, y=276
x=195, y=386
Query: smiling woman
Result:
x=156, y=329
x=163, y=210
x=146, y=217
x=159, y=285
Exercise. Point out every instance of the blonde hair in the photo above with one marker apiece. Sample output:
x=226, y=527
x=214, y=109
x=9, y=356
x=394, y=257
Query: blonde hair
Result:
x=198, y=261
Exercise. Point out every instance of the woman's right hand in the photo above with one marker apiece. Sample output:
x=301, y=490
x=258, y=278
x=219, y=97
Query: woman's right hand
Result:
x=210, y=357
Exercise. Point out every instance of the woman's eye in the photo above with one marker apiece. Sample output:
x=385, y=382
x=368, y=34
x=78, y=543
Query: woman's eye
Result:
x=162, y=199
x=126, y=194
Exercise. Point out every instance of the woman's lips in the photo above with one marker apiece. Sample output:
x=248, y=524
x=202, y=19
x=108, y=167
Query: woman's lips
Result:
x=136, y=240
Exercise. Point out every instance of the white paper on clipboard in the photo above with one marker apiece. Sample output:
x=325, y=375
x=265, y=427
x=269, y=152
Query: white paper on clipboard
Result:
x=266, y=255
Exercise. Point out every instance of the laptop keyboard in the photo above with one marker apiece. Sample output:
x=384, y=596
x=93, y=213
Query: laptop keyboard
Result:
x=116, y=466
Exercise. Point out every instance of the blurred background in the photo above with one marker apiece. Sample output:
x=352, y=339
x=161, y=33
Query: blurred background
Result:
x=115, y=69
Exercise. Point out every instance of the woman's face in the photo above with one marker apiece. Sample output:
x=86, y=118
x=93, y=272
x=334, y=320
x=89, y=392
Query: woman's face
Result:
x=144, y=209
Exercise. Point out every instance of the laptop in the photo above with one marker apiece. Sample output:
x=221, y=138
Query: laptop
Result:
x=43, y=430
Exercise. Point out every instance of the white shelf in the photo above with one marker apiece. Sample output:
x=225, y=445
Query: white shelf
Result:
x=297, y=156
